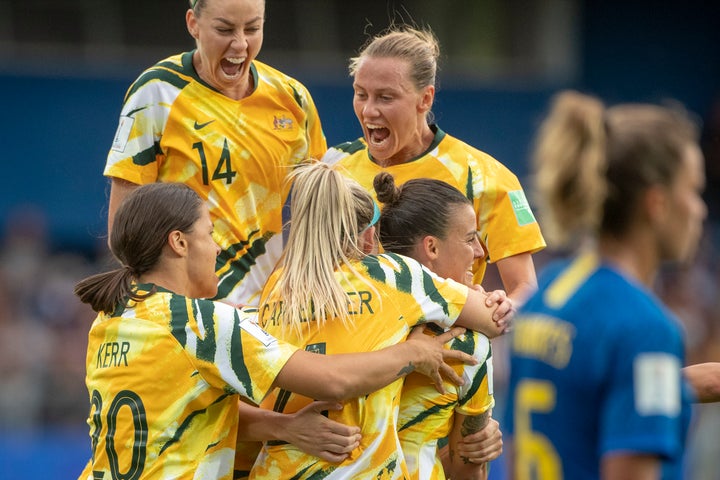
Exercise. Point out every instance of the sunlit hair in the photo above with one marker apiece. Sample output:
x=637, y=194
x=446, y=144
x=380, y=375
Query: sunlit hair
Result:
x=140, y=231
x=328, y=213
x=592, y=164
x=419, y=47
x=418, y=208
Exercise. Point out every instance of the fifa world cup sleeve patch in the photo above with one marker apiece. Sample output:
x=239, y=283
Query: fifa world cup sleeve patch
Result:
x=248, y=326
x=122, y=135
x=521, y=207
x=657, y=384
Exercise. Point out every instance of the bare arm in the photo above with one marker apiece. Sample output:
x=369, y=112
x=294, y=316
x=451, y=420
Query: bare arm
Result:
x=630, y=467
x=308, y=429
x=344, y=376
x=477, y=315
x=119, y=189
x=518, y=277
x=464, y=466
x=705, y=380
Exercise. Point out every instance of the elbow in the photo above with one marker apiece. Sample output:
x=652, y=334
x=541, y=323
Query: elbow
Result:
x=338, y=389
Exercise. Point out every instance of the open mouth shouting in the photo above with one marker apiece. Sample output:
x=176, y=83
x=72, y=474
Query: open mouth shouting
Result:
x=232, y=66
x=377, y=134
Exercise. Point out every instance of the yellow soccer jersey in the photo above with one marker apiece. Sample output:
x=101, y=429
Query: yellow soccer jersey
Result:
x=164, y=377
x=426, y=415
x=390, y=295
x=235, y=153
x=505, y=221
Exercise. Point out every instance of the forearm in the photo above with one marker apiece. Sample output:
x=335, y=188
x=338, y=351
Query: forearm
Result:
x=458, y=466
x=257, y=424
x=705, y=381
x=344, y=376
x=477, y=315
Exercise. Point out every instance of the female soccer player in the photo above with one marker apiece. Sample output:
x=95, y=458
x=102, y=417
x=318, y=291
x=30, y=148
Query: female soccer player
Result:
x=227, y=125
x=330, y=297
x=166, y=369
x=595, y=381
x=394, y=84
x=434, y=223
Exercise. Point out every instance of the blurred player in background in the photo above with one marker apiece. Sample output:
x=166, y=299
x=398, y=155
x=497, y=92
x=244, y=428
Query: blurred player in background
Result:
x=596, y=389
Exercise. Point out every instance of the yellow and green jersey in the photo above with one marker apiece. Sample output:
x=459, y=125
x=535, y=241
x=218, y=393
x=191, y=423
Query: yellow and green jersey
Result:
x=387, y=297
x=236, y=154
x=505, y=221
x=164, y=377
x=427, y=415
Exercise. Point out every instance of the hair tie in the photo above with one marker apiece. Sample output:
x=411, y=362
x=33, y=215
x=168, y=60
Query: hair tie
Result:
x=375, y=217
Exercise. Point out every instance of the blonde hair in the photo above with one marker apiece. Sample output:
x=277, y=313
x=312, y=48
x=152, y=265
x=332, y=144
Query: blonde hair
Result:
x=328, y=213
x=419, y=47
x=593, y=163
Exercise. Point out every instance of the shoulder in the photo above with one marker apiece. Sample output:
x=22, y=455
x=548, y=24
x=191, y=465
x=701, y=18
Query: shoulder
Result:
x=279, y=81
x=476, y=159
x=174, y=73
x=341, y=152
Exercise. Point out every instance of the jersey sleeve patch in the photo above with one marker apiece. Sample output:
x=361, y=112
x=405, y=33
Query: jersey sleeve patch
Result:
x=254, y=329
x=122, y=135
x=521, y=207
x=657, y=384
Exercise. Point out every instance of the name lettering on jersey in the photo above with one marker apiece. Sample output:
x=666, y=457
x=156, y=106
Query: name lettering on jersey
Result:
x=359, y=303
x=544, y=338
x=112, y=354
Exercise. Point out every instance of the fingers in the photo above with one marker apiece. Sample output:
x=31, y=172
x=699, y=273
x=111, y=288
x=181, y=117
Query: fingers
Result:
x=483, y=446
x=449, y=335
x=496, y=296
x=449, y=374
x=317, y=435
x=458, y=356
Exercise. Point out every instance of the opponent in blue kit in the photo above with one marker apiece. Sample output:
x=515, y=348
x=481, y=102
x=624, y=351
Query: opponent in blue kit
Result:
x=596, y=387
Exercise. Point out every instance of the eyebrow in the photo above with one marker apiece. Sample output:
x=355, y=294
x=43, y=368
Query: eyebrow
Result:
x=228, y=22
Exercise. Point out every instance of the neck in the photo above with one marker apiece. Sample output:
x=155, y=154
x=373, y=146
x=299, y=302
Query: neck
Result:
x=634, y=254
x=424, y=137
x=173, y=281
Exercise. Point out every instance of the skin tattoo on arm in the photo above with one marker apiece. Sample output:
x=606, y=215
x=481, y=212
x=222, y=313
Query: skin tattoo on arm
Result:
x=472, y=425
x=406, y=370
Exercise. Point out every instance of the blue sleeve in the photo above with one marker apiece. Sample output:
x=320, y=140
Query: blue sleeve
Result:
x=642, y=408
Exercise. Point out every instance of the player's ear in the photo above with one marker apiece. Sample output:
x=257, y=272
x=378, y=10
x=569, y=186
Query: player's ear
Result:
x=192, y=25
x=430, y=248
x=178, y=243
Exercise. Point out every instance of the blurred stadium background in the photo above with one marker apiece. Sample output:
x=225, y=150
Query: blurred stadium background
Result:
x=65, y=66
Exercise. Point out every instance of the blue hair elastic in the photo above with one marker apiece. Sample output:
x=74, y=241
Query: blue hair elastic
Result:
x=376, y=216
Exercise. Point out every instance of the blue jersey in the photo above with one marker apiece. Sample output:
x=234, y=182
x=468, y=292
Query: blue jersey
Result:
x=595, y=369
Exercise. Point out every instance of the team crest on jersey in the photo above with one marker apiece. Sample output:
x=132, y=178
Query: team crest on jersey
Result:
x=282, y=122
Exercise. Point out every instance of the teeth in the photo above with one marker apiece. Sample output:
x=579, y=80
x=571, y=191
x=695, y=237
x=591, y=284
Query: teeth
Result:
x=372, y=127
x=236, y=61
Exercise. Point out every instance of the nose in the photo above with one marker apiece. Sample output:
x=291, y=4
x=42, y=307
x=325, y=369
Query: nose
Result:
x=369, y=108
x=239, y=41
x=478, y=249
